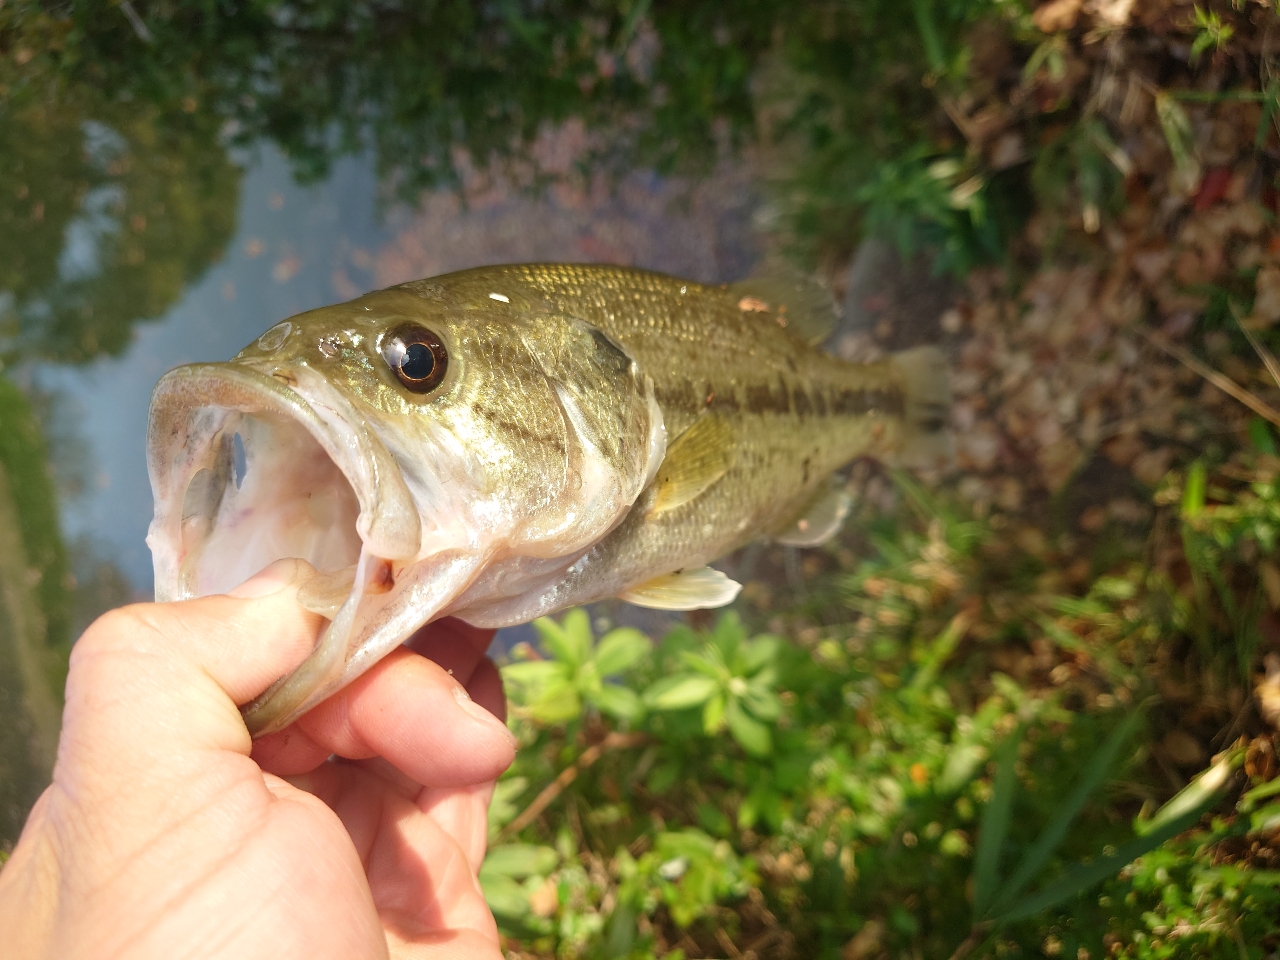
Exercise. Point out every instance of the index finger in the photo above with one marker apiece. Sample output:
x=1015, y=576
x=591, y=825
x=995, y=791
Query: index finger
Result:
x=454, y=644
x=407, y=710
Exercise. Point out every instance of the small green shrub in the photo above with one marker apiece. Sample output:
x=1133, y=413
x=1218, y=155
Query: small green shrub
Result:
x=872, y=778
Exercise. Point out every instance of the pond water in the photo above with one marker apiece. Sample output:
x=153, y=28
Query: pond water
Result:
x=297, y=247
x=271, y=248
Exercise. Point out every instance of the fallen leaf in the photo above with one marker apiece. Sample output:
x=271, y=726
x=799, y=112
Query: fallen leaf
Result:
x=865, y=943
x=1266, y=304
x=1057, y=15
x=1182, y=748
x=545, y=901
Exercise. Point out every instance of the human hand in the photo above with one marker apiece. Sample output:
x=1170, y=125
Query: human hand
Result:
x=168, y=833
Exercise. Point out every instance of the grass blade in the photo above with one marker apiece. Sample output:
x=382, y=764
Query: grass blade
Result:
x=1079, y=879
x=1266, y=356
x=929, y=35
x=1219, y=380
x=994, y=828
x=942, y=648
x=1100, y=764
x=1197, y=793
x=916, y=494
x=1194, y=493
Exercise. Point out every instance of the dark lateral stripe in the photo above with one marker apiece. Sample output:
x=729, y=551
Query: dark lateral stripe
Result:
x=800, y=400
x=679, y=396
x=854, y=402
x=762, y=398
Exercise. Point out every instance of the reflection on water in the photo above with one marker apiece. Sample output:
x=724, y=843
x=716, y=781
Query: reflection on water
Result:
x=146, y=221
x=33, y=611
x=301, y=247
x=138, y=225
x=287, y=242
x=105, y=217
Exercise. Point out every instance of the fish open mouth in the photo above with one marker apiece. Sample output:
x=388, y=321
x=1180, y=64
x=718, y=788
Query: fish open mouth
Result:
x=247, y=470
x=294, y=503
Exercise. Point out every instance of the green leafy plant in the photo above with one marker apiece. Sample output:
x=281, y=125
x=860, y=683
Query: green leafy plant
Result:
x=732, y=679
x=511, y=873
x=579, y=669
x=901, y=771
x=999, y=902
x=687, y=871
x=1217, y=538
x=1084, y=167
x=1210, y=32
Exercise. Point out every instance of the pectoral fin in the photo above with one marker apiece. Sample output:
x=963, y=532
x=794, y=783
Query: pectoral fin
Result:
x=695, y=460
x=684, y=590
x=819, y=520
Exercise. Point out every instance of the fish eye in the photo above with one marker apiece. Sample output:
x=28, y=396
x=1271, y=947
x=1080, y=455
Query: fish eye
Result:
x=416, y=356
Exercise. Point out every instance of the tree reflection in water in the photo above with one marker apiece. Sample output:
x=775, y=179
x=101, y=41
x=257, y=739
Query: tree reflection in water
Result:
x=119, y=127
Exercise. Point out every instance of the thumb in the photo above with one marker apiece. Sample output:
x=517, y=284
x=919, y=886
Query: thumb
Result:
x=153, y=680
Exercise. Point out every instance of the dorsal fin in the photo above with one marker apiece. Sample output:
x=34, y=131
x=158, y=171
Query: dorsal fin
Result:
x=684, y=590
x=695, y=460
x=818, y=520
x=797, y=300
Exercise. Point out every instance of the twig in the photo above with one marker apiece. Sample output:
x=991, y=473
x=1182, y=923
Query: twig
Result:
x=688, y=944
x=1268, y=358
x=1219, y=380
x=970, y=942
x=135, y=21
x=614, y=741
x=730, y=947
x=957, y=116
x=762, y=941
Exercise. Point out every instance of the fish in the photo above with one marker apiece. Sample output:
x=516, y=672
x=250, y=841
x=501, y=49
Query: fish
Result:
x=505, y=442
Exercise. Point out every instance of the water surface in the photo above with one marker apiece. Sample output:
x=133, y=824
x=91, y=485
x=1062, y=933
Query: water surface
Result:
x=284, y=248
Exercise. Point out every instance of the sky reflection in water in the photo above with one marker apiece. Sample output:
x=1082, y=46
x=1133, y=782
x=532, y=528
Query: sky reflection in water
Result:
x=298, y=247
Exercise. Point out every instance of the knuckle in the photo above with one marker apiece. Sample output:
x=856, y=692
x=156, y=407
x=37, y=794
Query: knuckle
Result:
x=125, y=628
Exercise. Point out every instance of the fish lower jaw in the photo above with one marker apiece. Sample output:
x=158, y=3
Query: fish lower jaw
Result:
x=338, y=596
x=245, y=471
x=386, y=602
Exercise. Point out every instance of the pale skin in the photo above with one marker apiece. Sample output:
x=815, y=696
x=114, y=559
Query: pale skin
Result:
x=167, y=833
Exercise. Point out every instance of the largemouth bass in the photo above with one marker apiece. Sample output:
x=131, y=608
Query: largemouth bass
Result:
x=505, y=442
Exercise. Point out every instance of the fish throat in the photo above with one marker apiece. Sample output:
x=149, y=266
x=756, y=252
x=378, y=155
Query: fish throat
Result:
x=246, y=471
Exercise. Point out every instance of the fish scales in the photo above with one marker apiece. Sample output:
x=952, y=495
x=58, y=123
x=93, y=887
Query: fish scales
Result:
x=504, y=442
x=798, y=413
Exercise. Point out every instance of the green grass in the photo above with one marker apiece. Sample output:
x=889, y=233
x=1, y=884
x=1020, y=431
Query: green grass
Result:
x=887, y=782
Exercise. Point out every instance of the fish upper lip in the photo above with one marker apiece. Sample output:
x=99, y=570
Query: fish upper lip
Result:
x=388, y=524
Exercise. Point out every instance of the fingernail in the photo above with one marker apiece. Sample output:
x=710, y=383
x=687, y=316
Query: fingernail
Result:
x=272, y=578
x=480, y=713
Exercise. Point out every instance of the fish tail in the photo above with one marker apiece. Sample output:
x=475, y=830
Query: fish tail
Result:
x=925, y=441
